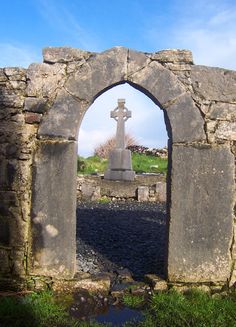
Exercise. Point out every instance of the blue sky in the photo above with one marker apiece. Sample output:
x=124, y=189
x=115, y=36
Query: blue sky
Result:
x=206, y=27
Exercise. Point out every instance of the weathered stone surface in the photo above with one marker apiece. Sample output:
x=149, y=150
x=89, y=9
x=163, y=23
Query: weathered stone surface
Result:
x=15, y=73
x=4, y=227
x=9, y=99
x=143, y=193
x=226, y=131
x=136, y=61
x=157, y=284
x=120, y=166
x=94, y=284
x=64, y=54
x=54, y=206
x=160, y=191
x=214, y=83
x=90, y=191
x=200, y=246
x=101, y=72
x=63, y=117
x=37, y=105
x=154, y=80
x=202, y=200
x=4, y=261
x=173, y=56
x=89, y=186
x=44, y=79
x=32, y=118
x=221, y=110
x=183, y=112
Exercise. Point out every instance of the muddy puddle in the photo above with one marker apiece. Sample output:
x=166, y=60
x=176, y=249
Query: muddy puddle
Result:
x=99, y=308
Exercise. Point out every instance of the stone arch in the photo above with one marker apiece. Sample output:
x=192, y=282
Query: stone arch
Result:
x=54, y=215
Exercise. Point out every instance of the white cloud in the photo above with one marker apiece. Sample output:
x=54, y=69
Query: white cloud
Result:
x=207, y=28
x=146, y=124
x=15, y=55
x=214, y=42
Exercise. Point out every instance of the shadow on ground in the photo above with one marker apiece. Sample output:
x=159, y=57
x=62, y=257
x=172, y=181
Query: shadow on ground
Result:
x=121, y=235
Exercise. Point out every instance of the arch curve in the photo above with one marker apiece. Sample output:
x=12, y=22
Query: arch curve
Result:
x=117, y=66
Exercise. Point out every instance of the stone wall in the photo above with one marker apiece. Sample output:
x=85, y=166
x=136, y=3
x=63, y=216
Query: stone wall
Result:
x=144, y=188
x=41, y=109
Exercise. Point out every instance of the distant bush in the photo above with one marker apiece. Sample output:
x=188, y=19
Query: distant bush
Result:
x=104, y=149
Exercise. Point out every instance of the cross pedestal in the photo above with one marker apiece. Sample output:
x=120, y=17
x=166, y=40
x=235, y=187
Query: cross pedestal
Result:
x=120, y=164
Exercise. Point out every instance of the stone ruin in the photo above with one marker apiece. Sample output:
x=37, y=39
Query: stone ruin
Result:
x=41, y=111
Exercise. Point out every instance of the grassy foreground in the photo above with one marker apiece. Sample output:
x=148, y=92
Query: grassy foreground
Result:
x=172, y=309
x=141, y=164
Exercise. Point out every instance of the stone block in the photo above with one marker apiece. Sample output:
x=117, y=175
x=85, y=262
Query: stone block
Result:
x=9, y=99
x=143, y=193
x=157, y=284
x=15, y=73
x=32, y=118
x=183, y=112
x=90, y=192
x=45, y=79
x=136, y=61
x=95, y=284
x=226, y=131
x=173, y=56
x=201, y=214
x=37, y=105
x=54, y=208
x=63, y=117
x=99, y=73
x=155, y=79
x=221, y=110
x=215, y=84
x=120, y=166
x=119, y=175
x=64, y=54
x=160, y=189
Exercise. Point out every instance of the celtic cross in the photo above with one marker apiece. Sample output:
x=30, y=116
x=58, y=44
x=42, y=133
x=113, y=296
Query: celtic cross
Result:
x=121, y=114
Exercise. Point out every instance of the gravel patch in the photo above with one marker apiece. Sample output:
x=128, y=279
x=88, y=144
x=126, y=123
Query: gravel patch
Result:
x=120, y=235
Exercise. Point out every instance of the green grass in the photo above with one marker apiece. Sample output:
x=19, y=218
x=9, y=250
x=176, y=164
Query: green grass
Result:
x=141, y=164
x=133, y=301
x=171, y=309
x=148, y=164
x=195, y=309
x=34, y=310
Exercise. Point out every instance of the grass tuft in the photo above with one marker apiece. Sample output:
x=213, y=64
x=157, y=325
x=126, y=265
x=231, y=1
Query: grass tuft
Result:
x=133, y=301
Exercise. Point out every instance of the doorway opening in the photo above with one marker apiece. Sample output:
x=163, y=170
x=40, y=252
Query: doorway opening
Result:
x=117, y=233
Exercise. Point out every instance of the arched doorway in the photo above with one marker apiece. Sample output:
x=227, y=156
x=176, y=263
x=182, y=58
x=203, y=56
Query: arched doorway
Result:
x=54, y=213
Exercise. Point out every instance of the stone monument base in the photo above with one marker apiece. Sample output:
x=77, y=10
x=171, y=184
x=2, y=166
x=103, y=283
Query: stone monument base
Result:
x=119, y=175
x=120, y=166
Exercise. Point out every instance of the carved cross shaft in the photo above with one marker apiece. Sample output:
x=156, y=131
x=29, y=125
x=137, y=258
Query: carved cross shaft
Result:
x=121, y=114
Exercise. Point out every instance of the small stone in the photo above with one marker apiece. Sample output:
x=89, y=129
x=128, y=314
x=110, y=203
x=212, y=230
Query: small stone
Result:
x=156, y=283
x=124, y=275
x=32, y=118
